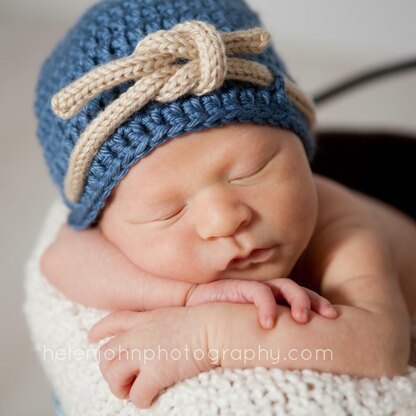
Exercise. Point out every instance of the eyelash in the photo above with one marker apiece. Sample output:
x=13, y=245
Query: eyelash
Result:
x=254, y=173
x=245, y=177
x=172, y=216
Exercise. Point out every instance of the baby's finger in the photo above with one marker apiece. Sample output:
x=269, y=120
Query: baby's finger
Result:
x=106, y=355
x=262, y=297
x=294, y=295
x=321, y=305
x=113, y=324
x=145, y=388
x=121, y=374
x=239, y=291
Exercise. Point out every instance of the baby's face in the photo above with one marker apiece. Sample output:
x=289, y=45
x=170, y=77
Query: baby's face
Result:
x=192, y=205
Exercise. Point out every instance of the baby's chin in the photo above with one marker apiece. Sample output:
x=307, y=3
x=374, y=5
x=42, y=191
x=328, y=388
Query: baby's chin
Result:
x=259, y=272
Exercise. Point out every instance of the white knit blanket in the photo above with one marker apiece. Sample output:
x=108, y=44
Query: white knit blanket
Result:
x=59, y=330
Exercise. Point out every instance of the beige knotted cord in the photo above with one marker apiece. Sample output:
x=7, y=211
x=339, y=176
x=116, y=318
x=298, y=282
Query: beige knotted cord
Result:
x=159, y=77
x=302, y=101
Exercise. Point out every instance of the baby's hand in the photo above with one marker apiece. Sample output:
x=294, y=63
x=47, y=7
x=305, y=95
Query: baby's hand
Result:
x=264, y=296
x=152, y=350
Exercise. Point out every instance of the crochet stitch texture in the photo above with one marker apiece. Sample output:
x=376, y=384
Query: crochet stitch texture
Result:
x=159, y=77
x=83, y=391
x=111, y=30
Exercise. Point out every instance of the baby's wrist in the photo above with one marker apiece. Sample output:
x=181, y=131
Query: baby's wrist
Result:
x=188, y=297
x=217, y=330
x=203, y=323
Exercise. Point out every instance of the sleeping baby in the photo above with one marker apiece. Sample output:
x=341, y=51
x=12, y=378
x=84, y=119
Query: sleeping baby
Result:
x=181, y=146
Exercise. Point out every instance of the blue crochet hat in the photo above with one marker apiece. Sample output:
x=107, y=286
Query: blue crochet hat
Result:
x=132, y=74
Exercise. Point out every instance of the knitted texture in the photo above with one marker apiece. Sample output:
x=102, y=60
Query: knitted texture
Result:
x=159, y=77
x=56, y=323
x=110, y=31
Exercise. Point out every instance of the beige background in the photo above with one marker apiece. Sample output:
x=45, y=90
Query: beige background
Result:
x=322, y=41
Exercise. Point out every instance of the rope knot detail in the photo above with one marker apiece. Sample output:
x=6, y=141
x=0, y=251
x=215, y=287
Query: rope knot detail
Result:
x=203, y=50
x=199, y=43
x=191, y=58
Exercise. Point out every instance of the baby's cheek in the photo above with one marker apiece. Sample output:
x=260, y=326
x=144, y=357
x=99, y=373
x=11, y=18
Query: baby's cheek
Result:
x=175, y=257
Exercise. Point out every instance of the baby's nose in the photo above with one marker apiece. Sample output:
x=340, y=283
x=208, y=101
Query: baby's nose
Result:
x=221, y=214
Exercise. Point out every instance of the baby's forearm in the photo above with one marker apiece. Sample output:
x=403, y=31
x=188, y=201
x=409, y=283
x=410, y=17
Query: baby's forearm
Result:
x=357, y=343
x=90, y=270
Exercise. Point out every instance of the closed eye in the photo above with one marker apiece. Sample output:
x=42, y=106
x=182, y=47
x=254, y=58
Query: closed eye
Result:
x=170, y=216
x=256, y=172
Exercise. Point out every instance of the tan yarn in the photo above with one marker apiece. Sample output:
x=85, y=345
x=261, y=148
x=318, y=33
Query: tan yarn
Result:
x=304, y=104
x=160, y=77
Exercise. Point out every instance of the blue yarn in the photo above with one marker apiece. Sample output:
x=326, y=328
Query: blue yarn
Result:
x=110, y=30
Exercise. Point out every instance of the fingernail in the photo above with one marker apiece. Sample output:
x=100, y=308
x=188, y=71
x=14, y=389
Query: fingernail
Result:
x=268, y=322
x=304, y=315
x=331, y=310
